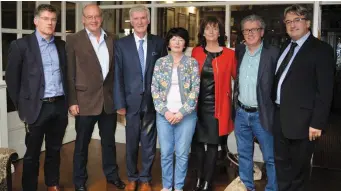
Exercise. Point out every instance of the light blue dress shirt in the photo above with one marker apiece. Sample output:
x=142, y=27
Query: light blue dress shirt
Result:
x=52, y=74
x=300, y=43
x=248, y=74
x=101, y=50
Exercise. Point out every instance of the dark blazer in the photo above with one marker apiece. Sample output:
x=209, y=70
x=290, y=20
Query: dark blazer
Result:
x=306, y=92
x=25, y=75
x=266, y=73
x=128, y=88
x=86, y=85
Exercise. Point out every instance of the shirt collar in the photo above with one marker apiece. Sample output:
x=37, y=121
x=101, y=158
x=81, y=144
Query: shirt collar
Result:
x=302, y=39
x=258, y=50
x=137, y=39
x=103, y=33
x=41, y=39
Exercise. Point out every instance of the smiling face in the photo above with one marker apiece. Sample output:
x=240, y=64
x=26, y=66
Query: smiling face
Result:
x=92, y=18
x=45, y=23
x=176, y=44
x=139, y=21
x=297, y=26
x=211, y=32
x=253, y=33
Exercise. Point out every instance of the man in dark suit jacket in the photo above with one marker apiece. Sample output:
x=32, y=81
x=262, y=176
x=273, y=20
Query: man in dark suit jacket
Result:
x=36, y=84
x=302, y=91
x=252, y=100
x=90, y=85
x=135, y=56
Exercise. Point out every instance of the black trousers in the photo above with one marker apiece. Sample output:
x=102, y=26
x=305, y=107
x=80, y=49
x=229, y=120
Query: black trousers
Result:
x=51, y=123
x=141, y=127
x=292, y=159
x=84, y=128
x=206, y=160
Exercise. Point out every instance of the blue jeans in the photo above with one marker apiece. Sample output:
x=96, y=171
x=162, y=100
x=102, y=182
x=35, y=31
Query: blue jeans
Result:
x=247, y=125
x=176, y=138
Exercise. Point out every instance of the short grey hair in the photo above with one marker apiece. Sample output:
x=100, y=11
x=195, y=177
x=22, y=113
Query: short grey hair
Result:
x=140, y=8
x=299, y=10
x=253, y=18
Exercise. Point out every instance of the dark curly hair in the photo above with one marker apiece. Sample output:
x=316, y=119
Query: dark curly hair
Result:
x=180, y=32
x=211, y=21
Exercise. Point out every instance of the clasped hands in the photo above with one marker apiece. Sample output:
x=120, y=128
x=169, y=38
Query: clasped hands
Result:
x=173, y=118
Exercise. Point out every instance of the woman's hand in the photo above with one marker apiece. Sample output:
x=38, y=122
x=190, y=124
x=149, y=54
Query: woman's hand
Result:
x=170, y=117
x=178, y=117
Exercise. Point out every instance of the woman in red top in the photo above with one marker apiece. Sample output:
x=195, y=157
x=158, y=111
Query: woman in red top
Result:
x=217, y=66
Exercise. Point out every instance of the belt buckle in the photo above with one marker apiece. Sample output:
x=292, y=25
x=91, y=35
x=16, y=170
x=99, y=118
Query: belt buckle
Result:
x=51, y=99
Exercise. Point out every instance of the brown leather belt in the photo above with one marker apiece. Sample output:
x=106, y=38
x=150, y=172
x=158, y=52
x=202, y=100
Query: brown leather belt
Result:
x=53, y=99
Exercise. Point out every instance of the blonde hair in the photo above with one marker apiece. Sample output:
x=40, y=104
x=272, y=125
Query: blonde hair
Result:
x=140, y=8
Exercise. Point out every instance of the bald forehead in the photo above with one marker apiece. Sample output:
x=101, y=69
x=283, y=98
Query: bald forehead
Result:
x=91, y=7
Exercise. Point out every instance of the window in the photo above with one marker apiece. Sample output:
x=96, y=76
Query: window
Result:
x=186, y=17
x=275, y=32
x=58, y=5
x=28, y=8
x=117, y=22
x=8, y=14
x=11, y=30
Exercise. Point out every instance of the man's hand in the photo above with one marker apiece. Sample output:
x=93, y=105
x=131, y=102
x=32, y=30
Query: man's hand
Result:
x=314, y=134
x=74, y=110
x=121, y=111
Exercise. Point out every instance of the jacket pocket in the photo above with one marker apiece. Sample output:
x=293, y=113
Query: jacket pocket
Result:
x=81, y=87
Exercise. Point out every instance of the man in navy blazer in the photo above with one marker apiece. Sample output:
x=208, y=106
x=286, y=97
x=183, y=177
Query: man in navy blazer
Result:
x=252, y=100
x=35, y=78
x=135, y=56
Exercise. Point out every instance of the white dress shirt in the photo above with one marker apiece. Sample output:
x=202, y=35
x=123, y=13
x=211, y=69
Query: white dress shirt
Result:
x=300, y=43
x=101, y=51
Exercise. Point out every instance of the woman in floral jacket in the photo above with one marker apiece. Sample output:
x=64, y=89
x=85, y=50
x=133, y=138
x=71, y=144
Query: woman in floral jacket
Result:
x=175, y=89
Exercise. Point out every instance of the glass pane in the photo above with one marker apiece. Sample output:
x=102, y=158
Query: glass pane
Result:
x=117, y=22
x=186, y=17
x=70, y=17
x=58, y=5
x=28, y=8
x=7, y=38
x=58, y=37
x=9, y=14
x=122, y=2
x=169, y=2
x=275, y=32
x=331, y=33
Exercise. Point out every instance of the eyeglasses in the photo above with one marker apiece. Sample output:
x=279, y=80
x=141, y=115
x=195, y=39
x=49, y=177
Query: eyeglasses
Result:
x=253, y=31
x=46, y=19
x=295, y=21
x=92, y=17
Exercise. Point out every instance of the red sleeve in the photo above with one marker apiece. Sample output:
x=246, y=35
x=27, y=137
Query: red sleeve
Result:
x=234, y=66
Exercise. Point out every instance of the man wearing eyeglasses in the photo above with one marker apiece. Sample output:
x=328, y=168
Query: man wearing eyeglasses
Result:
x=252, y=100
x=302, y=93
x=36, y=84
x=90, y=77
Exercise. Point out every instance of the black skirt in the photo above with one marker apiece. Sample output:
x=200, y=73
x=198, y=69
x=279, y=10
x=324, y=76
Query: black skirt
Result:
x=207, y=130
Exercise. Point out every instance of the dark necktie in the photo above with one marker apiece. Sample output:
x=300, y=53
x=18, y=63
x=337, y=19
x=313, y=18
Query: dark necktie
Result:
x=282, y=67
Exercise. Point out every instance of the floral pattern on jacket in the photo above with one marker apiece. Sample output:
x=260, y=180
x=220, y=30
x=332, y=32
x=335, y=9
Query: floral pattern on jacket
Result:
x=189, y=83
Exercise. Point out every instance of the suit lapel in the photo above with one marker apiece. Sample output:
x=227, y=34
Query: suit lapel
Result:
x=263, y=61
x=150, y=49
x=88, y=46
x=36, y=51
